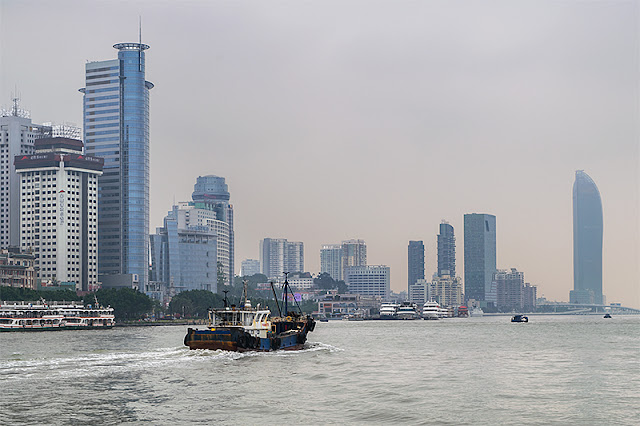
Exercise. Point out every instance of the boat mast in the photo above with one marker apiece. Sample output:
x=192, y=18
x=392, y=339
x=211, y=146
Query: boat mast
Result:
x=275, y=297
x=284, y=292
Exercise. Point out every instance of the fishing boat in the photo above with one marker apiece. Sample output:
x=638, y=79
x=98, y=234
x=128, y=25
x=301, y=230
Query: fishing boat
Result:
x=43, y=316
x=253, y=329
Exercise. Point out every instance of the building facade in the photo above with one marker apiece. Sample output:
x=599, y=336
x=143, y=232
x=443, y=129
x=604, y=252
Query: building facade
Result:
x=17, y=137
x=509, y=289
x=415, y=262
x=420, y=292
x=116, y=128
x=354, y=253
x=212, y=192
x=587, y=241
x=479, y=254
x=446, y=250
x=59, y=211
x=277, y=256
x=17, y=269
x=249, y=267
x=372, y=280
x=331, y=260
x=447, y=290
x=183, y=256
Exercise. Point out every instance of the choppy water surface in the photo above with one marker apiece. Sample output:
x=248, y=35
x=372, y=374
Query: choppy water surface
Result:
x=553, y=370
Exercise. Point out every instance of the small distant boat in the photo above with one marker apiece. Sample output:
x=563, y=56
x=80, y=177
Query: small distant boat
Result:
x=407, y=311
x=389, y=311
x=519, y=318
x=476, y=312
x=607, y=315
x=430, y=310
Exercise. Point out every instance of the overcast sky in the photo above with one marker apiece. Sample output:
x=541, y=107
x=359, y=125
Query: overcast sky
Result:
x=371, y=119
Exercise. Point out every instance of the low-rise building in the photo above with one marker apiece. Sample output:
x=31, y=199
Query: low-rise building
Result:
x=17, y=269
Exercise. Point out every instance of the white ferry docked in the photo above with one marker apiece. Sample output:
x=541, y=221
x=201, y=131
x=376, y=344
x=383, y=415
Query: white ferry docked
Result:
x=30, y=316
x=431, y=310
x=389, y=310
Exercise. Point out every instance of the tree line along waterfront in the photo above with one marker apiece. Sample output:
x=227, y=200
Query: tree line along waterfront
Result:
x=131, y=305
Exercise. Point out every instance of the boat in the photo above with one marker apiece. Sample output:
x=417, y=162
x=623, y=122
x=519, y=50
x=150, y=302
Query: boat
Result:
x=252, y=329
x=430, y=310
x=607, y=315
x=42, y=316
x=407, y=311
x=476, y=312
x=463, y=311
x=389, y=310
x=520, y=318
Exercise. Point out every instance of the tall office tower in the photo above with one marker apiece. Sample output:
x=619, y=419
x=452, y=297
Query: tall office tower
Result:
x=116, y=128
x=354, y=253
x=17, y=137
x=58, y=210
x=199, y=216
x=415, y=263
x=373, y=280
x=184, y=252
x=331, y=260
x=213, y=193
x=446, y=250
x=250, y=267
x=479, y=254
x=587, y=241
x=294, y=257
x=277, y=255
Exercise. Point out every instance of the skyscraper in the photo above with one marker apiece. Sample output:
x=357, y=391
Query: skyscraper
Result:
x=587, y=241
x=59, y=194
x=212, y=192
x=415, y=263
x=277, y=255
x=354, y=253
x=446, y=251
x=17, y=136
x=116, y=127
x=479, y=254
x=331, y=260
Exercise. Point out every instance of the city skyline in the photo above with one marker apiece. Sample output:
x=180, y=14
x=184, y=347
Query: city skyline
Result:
x=539, y=99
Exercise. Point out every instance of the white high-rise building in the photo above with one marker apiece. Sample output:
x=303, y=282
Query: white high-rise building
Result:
x=59, y=211
x=372, y=280
x=331, y=260
x=250, y=267
x=354, y=253
x=17, y=137
x=277, y=255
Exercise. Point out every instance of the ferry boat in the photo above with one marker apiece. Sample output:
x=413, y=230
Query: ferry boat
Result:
x=431, y=310
x=40, y=316
x=476, y=312
x=252, y=329
x=389, y=310
x=407, y=311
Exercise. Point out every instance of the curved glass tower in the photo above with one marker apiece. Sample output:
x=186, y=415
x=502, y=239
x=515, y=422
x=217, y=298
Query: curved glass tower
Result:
x=587, y=241
x=116, y=127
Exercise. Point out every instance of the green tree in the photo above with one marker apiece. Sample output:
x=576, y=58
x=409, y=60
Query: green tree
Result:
x=127, y=303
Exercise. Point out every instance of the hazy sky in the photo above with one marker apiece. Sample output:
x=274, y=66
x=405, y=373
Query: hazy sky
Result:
x=371, y=119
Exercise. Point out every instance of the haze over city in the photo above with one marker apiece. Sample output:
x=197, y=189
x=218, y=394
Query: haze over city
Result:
x=371, y=120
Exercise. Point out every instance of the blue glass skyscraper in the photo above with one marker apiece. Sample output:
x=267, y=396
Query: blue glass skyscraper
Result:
x=116, y=127
x=587, y=241
x=479, y=255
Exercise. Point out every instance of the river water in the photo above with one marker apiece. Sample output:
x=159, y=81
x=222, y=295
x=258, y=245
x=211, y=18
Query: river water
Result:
x=553, y=370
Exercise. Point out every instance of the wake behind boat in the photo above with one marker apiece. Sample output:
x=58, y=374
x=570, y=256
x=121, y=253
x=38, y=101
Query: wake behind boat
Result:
x=252, y=329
